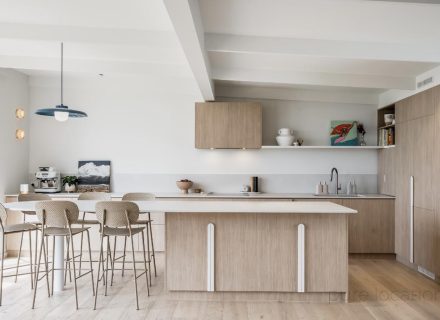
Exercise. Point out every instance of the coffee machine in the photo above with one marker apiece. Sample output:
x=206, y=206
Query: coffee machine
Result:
x=47, y=180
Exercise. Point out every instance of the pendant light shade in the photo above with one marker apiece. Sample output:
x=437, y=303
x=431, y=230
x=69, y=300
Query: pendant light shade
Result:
x=61, y=112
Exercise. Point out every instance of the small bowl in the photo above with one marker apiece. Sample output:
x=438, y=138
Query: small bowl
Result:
x=184, y=185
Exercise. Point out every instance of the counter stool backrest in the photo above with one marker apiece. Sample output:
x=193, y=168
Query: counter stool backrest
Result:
x=95, y=196
x=32, y=197
x=3, y=216
x=58, y=214
x=116, y=214
x=138, y=196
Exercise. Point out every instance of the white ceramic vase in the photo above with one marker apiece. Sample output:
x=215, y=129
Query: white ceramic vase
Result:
x=285, y=137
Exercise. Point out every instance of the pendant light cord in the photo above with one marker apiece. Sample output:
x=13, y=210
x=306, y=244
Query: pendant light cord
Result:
x=62, y=55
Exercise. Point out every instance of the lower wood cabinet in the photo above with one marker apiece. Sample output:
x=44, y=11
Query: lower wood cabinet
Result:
x=371, y=230
x=256, y=252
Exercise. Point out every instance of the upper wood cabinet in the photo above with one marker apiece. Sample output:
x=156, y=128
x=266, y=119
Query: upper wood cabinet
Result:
x=228, y=125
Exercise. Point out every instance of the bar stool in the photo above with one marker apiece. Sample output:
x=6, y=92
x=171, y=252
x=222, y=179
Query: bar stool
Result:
x=30, y=214
x=11, y=229
x=56, y=218
x=139, y=196
x=116, y=219
x=100, y=196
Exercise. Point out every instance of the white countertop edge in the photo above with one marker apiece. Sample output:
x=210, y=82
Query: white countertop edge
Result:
x=182, y=206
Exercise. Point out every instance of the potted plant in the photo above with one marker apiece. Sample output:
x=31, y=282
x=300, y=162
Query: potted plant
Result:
x=69, y=183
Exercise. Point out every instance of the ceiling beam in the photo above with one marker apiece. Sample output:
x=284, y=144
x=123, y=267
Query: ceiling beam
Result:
x=272, y=77
x=93, y=35
x=187, y=22
x=322, y=48
x=93, y=66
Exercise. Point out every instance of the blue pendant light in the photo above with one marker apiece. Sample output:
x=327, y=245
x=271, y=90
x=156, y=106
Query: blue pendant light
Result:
x=61, y=112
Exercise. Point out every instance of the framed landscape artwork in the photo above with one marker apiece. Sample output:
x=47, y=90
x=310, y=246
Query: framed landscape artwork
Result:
x=93, y=176
x=343, y=133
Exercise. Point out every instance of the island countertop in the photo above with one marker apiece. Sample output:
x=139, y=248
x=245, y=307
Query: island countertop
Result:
x=225, y=206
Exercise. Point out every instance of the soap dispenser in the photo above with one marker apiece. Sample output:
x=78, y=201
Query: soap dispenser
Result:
x=349, y=188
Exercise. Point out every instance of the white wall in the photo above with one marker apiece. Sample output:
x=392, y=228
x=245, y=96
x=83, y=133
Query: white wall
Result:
x=147, y=130
x=14, y=153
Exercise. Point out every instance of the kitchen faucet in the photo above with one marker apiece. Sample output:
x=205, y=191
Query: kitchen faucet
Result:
x=337, y=179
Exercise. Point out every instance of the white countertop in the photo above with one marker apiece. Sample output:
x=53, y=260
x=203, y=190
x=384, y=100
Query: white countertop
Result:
x=237, y=195
x=224, y=206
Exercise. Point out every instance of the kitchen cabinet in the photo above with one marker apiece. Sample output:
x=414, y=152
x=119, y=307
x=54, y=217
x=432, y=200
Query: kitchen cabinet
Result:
x=386, y=177
x=371, y=230
x=416, y=131
x=228, y=125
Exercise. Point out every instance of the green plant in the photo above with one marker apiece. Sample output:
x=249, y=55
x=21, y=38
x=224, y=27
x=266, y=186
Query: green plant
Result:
x=70, y=180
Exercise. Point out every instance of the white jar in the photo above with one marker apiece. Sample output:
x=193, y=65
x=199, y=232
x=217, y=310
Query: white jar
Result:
x=285, y=137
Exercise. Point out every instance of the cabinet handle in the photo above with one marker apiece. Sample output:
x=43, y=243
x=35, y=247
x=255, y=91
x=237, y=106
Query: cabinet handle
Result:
x=301, y=258
x=411, y=219
x=210, y=258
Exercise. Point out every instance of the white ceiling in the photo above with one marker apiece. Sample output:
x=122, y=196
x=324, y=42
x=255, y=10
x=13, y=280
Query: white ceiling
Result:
x=131, y=37
x=359, y=44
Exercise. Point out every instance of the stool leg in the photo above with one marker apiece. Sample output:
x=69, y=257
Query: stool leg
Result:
x=113, y=261
x=74, y=271
x=149, y=252
x=38, y=272
x=30, y=260
x=145, y=264
x=99, y=270
x=81, y=244
x=152, y=246
x=135, y=274
x=53, y=265
x=123, y=257
x=91, y=264
x=2, y=267
x=46, y=253
x=108, y=256
x=19, y=255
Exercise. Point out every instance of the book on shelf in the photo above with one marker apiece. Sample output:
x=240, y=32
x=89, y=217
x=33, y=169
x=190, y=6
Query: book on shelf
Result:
x=386, y=137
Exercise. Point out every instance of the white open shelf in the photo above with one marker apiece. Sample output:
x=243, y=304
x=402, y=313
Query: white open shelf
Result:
x=329, y=147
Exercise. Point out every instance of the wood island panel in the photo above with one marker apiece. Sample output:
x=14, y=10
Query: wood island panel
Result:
x=256, y=252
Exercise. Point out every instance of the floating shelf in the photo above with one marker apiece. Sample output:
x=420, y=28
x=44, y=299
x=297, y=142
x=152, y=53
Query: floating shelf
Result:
x=387, y=126
x=328, y=147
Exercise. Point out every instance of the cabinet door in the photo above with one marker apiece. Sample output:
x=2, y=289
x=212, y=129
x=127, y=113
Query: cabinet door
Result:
x=228, y=125
x=402, y=110
x=422, y=150
x=424, y=238
x=245, y=125
x=403, y=172
x=211, y=125
x=386, y=172
x=371, y=230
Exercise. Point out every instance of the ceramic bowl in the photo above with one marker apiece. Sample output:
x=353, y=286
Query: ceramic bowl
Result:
x=285, y=140
x=184, y=185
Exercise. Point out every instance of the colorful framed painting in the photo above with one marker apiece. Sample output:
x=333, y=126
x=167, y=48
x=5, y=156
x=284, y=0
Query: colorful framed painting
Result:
x=343, y=133
x=93, y=176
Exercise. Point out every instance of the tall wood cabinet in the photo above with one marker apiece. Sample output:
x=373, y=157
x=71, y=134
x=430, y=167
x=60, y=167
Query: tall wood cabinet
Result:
x=228, y=125
x=415, y=152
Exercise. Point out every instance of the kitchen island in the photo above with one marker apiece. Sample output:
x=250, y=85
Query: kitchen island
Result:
x=294, y=250
x=287, y=250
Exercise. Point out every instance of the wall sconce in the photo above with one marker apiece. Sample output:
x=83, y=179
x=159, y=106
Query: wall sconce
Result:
x=19, y=134
x=19, y=113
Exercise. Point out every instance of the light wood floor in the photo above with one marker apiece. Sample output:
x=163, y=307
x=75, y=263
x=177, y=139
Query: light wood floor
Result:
x=379, y=289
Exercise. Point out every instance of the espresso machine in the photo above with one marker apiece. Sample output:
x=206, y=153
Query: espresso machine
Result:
x=47, y=180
